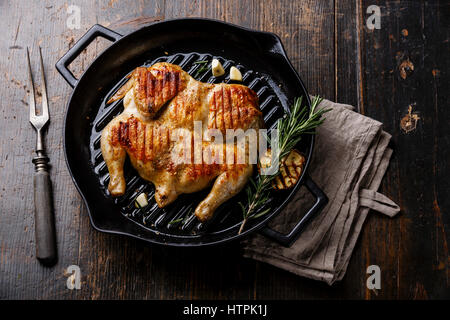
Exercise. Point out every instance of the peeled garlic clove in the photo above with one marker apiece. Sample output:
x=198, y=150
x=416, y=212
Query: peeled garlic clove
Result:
x=217, y=68
x=141, y=200
x=235, y=74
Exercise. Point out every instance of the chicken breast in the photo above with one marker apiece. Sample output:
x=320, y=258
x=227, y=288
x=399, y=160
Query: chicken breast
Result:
x=163, y=106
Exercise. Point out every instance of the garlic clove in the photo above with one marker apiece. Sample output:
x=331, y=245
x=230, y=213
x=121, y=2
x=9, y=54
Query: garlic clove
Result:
x=217, y=68
x=235, y=74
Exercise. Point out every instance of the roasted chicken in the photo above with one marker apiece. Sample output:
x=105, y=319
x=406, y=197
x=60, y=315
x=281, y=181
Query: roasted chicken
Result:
x=160, y=102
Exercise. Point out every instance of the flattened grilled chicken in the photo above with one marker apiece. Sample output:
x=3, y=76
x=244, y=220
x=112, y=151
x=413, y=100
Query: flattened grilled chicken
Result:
x=161, y=99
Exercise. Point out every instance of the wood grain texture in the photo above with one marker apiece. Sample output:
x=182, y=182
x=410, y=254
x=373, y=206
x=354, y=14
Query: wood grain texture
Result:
x=415, y=251
x=336, y=56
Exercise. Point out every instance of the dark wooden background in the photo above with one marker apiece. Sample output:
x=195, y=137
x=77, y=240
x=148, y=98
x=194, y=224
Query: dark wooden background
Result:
x=382, y=72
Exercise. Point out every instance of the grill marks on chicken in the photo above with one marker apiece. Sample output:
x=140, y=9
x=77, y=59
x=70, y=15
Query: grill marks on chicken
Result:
x=182, y=111
x=228, y=107
x=142, y=140
x=147, y=142
x=158, y=101
x=153, y=87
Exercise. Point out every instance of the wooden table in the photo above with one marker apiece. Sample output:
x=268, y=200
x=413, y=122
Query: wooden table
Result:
x=383, y=72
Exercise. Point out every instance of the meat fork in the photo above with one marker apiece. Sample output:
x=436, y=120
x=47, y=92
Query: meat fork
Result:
x=43, y=202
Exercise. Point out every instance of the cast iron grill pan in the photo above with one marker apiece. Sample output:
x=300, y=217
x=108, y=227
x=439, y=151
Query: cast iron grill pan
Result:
x=89, y=170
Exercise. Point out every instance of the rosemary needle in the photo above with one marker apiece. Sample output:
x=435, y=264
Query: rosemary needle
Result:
x=187, y=215
x=203, y=67
x=176, y=221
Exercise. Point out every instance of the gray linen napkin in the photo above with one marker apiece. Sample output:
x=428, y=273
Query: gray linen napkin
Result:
x=350, y=158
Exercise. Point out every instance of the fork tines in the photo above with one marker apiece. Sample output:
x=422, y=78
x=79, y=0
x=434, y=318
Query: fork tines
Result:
x=38, y=121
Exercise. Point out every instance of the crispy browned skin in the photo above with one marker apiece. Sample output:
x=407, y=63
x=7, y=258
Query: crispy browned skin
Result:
x=158, y=102
x=154, y=86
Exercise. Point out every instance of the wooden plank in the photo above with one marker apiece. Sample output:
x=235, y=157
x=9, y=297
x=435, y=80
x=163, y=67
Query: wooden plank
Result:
x=22, y=276
x=347, y=65
x=413, y=253
x=347, y=84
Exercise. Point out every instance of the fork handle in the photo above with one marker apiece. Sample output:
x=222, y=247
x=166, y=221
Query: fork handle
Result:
x=44, y=218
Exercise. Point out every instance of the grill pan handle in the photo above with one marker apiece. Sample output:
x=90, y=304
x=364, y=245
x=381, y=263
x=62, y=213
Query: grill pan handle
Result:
x=94, y=32
x=288, y=239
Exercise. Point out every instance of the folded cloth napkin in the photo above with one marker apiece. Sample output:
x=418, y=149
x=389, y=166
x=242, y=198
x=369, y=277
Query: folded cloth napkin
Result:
x=350, y=157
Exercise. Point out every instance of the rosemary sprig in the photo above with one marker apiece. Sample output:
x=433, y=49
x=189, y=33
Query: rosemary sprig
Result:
x=203, y=67
x=291, y=128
